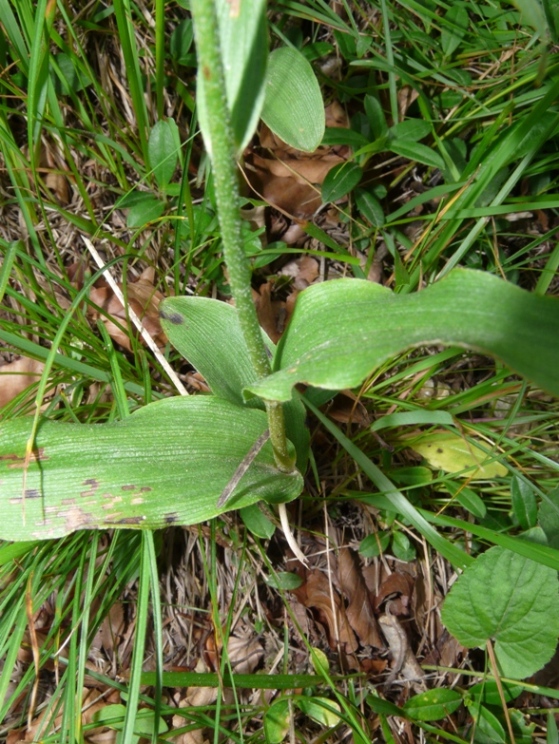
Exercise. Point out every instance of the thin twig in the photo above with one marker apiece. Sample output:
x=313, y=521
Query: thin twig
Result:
x=134, y=318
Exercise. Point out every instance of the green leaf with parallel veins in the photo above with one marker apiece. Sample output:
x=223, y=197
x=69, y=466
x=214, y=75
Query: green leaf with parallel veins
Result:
x=511, y=600
x=293, y=106
x=163, y=150
x=342, y=330
x=208, y=334
x=168, y=463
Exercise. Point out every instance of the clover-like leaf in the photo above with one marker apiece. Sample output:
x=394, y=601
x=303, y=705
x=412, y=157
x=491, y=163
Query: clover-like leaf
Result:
x=511, y=600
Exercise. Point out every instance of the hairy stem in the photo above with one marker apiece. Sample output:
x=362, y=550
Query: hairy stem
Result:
x=228, y=207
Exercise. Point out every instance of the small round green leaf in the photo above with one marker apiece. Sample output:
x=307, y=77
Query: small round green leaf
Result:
x=511, y=600
x=340, y=180
x=433, y=705
x=293, y=105
x=276, y=721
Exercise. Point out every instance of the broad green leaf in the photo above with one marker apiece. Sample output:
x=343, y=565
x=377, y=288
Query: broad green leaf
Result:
x=293, y=106
x=340, y=180
x=374, y=545
x=342, y=330
x=532, y=14
x=456, y=454
x=511, y=600
x=433, y=705
x=488, y=692
x=163, y=150
x=418, y=152
x=375, y=116
x=467, y=498
x=454, y=29
x=208, y=334
x=524, y=504
x=166, y=464
x=402, y=547
x=244, y=50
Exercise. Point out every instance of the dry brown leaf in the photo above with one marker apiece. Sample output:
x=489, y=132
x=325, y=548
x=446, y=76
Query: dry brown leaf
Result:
x=399, y=587
x=303, y=271
x=346, y=408
x=404, y=662
x=16, y=376
x=315, y=595
x=359, y=610
x=288, y=178
x=143, y=298
x=271, y=313
x=245, y=652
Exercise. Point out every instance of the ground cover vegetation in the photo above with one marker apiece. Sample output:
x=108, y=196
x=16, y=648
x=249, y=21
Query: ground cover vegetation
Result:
x=344, y=527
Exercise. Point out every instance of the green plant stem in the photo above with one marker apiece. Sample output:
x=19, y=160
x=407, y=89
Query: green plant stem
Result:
x=228, y=208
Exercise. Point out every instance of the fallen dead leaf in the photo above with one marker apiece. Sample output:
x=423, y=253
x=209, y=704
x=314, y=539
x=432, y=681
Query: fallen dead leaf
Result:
x=16, y=377
x=303, y=272
x=288, y=178
x=271, y=313
x=359, y=610
x=143, y=298
x=328, y=610
x=245, y=652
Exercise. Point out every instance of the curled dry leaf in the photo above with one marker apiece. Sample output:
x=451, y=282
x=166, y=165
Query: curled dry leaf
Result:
x=359, y=610
x=328, y=609
x=245, y=652
x=288, y=178
x=16, y=376
x=404, y=662
x=303, y=272
x=143, y=298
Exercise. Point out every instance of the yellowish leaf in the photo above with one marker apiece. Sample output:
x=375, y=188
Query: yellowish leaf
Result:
x=455, y=454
